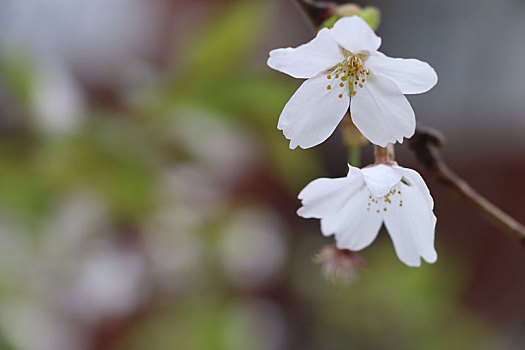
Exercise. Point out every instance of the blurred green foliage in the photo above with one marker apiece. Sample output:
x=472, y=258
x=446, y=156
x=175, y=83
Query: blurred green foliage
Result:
x=17, y=74
x=216, y=73
x=389, y=307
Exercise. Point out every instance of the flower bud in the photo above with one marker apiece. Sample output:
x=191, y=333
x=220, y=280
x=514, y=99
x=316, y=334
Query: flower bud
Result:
x=347, y=10
x=338, y=266
x=370, y=14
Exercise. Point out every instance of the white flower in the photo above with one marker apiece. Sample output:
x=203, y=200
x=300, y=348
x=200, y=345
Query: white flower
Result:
x=354, y=208
x=343, y=63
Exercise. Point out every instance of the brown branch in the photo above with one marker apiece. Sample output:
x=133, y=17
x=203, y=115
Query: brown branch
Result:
x=425, y=144
x=317, y=11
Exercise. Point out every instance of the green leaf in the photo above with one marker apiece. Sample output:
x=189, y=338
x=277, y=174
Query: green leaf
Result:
x=329, y=23
x=370, y=14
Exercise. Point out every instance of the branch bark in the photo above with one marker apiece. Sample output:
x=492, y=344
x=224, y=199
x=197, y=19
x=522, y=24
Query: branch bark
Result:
x=425, y=144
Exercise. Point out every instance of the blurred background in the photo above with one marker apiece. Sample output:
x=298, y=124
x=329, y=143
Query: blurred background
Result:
x=147, y=200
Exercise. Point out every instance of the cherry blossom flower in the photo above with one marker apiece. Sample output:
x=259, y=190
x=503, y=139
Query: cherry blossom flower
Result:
x=343, y=64
x=354, y=208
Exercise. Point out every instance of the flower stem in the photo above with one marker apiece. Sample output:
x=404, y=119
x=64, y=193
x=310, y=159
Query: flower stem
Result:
x=384, y=155
x=353, y=140
x=354, y=156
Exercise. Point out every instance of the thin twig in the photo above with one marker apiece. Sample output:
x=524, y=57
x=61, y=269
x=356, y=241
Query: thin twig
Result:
x=425, y=144
x=317, y=11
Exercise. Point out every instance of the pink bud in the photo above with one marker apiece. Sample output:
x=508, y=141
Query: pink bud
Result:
x=338, y=265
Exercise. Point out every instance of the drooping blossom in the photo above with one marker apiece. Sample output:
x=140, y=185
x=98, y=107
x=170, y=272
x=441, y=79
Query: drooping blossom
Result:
x=343, y=68
x=339, y=266
x=353, y=208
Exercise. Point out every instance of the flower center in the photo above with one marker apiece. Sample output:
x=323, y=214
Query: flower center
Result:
x=351, y=73
x=381, y=204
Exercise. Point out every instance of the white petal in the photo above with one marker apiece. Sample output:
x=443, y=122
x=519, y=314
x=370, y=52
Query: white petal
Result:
x=308, y=60
x=415, y=179
x=410, y=75
x=354, y=226
x=381, y=178
x=355, y=35
x=313, y=112
x=354, y=173
x=411, y=226
x=324, y=197
x=381, y=112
